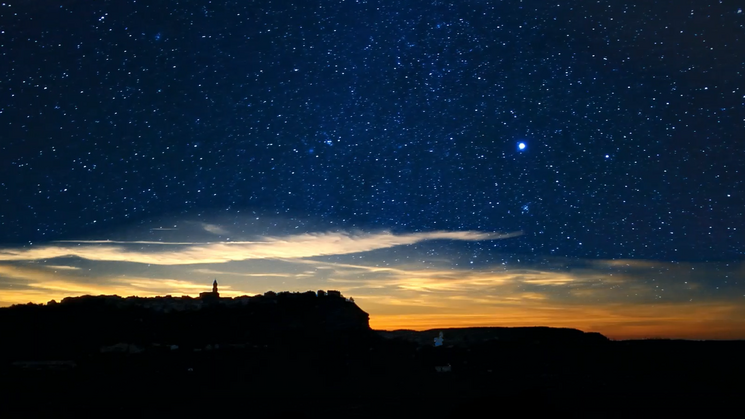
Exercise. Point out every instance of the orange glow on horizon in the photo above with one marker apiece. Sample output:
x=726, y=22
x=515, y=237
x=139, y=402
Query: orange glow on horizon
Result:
x=689, y=321
x=699, y=321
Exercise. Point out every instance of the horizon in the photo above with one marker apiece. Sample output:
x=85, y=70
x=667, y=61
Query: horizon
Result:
x=197, y=297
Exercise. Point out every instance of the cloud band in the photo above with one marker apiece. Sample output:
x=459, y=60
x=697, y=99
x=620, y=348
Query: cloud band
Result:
x=294, y=246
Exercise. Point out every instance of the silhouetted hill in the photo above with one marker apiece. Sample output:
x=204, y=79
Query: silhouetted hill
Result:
x=83, y=325
x=314, y=355
x=474, y=335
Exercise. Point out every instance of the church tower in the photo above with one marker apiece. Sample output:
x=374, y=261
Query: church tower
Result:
x=210, y=296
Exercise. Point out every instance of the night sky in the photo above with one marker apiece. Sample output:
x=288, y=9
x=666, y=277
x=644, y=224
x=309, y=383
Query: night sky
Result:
x=466, y=163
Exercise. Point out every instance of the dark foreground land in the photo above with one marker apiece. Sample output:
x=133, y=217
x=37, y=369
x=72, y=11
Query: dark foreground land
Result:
x=338, y=370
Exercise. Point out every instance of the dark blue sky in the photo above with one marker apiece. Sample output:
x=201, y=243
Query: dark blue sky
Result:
x=399, y=115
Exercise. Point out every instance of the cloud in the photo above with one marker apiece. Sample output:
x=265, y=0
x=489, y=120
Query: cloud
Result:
x=249, y=275
x=215, y=229
x=128, y=242
x=62, y=267
x=23, y=284
x=294, y=246
x=163, y=286
x=495, y=286
x=25, y=273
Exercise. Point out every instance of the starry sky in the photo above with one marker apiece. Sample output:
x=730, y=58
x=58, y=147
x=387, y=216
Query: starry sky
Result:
x=471, y=163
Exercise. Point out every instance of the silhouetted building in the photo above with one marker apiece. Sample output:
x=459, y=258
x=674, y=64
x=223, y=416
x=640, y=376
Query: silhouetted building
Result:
x=210, y=296
x=332, y=293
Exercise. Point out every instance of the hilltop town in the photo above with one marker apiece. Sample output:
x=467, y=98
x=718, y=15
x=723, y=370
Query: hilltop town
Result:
x=168, y=303
x=79, y=326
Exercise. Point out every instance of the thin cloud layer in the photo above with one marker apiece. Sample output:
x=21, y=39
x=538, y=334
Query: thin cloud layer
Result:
x=295, y=246
x=214, y=229
x=23, y=284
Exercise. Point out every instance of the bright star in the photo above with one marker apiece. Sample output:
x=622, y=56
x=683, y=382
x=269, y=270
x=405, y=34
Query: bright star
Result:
x=521, y=146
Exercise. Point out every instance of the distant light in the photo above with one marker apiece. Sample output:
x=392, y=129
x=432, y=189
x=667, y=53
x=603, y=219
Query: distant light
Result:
x=522, y=146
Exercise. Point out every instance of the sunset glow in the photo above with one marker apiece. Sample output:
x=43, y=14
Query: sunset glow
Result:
x=401, y=288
